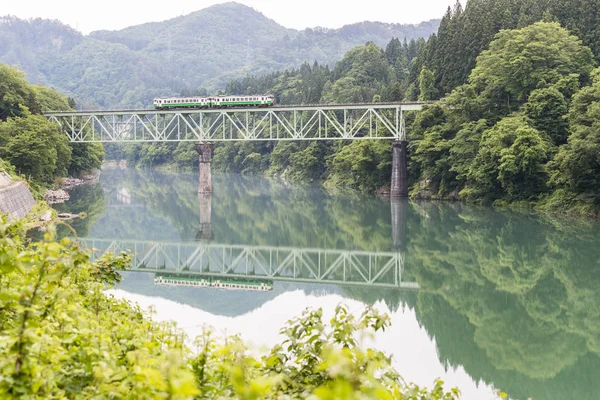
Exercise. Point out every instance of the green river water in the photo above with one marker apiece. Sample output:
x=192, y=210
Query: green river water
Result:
x=486, y=300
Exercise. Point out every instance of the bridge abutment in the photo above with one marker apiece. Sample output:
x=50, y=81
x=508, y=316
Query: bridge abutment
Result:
x=399, y=186
x=205, y=152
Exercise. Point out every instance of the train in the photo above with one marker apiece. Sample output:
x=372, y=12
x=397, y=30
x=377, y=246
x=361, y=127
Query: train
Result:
x=233, y=101
x=233, y=283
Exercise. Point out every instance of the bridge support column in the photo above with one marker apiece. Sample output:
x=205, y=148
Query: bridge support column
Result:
x=399, y=217
x=399, y=187
x=205, y=151
x=205, y=232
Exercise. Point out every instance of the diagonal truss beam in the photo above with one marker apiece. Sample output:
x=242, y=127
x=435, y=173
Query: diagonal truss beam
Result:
x=379, y=269
x=338, y=122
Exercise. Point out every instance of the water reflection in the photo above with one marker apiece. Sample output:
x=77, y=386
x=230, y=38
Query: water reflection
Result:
x=511, y=298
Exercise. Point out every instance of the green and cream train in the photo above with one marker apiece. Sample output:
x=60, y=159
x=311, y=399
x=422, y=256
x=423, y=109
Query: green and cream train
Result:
x=201, y=281
x=233, y=101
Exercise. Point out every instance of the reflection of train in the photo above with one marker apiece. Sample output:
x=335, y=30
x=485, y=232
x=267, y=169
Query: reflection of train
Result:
x=233, y=101
x=212, y=282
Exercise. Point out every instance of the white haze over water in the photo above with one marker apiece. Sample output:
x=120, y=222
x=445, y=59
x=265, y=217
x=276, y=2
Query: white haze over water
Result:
x=414, y=353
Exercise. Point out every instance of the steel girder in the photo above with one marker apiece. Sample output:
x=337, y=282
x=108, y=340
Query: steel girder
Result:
x=351, y=122
x=356, y=268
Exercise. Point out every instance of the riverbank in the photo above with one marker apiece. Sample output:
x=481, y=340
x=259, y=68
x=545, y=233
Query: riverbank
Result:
x=134, y=355
x=61, y=194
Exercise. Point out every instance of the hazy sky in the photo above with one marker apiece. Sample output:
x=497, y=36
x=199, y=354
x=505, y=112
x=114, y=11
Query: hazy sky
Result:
x=87, y=16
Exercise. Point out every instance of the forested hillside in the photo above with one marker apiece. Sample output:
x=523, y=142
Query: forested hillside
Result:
x=365, y=73
x=33, y=145
x=127, y=68
x=518, y=123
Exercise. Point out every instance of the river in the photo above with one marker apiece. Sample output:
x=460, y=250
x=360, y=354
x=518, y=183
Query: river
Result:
x=485, y=300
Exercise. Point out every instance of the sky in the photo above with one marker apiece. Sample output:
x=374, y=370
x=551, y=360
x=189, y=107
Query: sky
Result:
x=87, y=16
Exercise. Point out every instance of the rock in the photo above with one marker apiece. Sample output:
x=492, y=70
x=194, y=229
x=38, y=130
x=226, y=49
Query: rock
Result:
x=383, y=192
x=47, y=216
x=454, y=195
x=65, y=216
x=56, y=196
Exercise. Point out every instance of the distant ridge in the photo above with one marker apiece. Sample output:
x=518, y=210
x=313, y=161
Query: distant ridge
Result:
x=127, y=67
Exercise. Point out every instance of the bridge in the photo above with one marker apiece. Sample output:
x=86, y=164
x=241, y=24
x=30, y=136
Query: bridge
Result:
x=375, y=121
x=341, y=267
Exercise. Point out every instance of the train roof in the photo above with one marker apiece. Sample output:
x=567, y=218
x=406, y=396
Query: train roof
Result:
x=213, y=96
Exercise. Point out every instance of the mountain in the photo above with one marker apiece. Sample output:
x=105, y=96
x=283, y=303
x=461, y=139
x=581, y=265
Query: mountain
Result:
x=127, y=68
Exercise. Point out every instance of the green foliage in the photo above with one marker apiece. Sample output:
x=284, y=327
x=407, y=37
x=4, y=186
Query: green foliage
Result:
x=62, y=336
x=51, y=100
x=35, y=147
x=363, y=165
x=15, y=92
x=29, y=141
x=547, y=109
x=85, y=157
x=576, y=168
x=494, y=138
x=510, y=161
x=465, y=33
x=426, y=85
x=316, y=361
x=519, y=61
x=359, y=76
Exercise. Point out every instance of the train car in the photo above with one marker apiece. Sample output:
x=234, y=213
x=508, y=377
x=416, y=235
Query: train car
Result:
x=248, y=284
x=233, y=101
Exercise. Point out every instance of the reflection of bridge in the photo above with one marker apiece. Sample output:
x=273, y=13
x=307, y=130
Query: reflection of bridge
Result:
x=356, y=268
x=317, y=122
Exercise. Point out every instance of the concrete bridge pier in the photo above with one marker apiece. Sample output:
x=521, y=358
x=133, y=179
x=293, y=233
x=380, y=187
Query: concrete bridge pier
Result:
x=399, y=218
x=399, y=187
x=205, y=232
x=205, y=152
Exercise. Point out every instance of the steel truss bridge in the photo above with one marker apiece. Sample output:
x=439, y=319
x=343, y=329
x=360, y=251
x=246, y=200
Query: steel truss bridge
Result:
x=351, y=268
x=316, y=122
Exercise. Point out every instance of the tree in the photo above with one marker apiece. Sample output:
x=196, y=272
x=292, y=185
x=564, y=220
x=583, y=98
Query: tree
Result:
x=547, y=109
x=35, y=147
x=51, y=100
x=521, y=60
x=510, y=162
x=85, y=157
x=576, y=167
x=362, y=165
x=15, y=92
x=426, y=85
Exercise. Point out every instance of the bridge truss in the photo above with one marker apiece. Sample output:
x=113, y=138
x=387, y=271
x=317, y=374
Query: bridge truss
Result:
x=354, y=268
x=327, y=122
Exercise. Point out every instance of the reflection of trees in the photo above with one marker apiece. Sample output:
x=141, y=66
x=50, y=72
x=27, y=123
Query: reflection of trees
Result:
x=86, y=198
x=256, y=211
x=511, y=298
